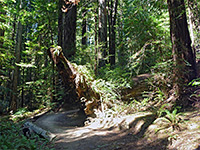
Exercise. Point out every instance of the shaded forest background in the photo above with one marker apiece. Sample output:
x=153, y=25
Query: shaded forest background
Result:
x=109, y=42
x=110, y=58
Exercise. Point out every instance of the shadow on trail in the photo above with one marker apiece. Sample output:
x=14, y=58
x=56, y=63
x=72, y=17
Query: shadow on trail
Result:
x=72, y=135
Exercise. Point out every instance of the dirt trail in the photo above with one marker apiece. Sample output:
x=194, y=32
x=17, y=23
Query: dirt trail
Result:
x=72, y=135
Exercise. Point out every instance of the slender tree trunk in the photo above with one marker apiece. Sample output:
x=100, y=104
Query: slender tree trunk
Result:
x=84, y=28
x=102, y=32
x=95, y=44
x=112, y=33
x=1, y=32
x=60, y=23
x=121, y=50
x=1, y=47
x=183, y=55
x=1, y=36
x=14, y=102
x=1, y=20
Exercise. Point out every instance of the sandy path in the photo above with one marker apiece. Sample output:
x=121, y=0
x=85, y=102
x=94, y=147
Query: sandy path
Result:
x=72, y=135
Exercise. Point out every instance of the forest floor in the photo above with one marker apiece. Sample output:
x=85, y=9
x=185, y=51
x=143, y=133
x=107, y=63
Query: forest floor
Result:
x=71, y=134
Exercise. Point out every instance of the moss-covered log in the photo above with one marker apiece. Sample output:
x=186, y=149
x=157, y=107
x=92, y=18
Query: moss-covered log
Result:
x=78, y=91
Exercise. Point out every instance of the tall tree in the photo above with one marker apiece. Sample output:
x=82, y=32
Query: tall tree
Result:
x=102, y=37
x=2, y=31
x=194, y=22
x=14, y=102
x=183, y=54
x=96, y=59
x=84, y=28
x=67, y=27
x=60, y=23
x=112, y=15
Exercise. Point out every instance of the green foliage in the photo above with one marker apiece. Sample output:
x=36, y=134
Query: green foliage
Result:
x=85, y=54
x=146, y=34
x=195, y=82
x=106, y=89
x=21, y=111
x=172, y=137
x=172, y=119
x=119, y=76
x=159, y=95
x=159, y=112
x=11, y=137
x=142, y=46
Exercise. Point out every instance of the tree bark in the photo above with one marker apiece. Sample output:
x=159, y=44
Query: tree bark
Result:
x=112, y=34
x=96, y=43
x=2, y=20
x=84, y=28
x=67, y=28
x=183, y=55
x=194, y=22
x=14, y=102
x=69, y=32
x=102, y=37
x=60, y=23
x=32, y=128
x=121, y=50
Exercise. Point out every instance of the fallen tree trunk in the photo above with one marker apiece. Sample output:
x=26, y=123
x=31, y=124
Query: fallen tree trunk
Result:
x=30, y=128
x=77, y=89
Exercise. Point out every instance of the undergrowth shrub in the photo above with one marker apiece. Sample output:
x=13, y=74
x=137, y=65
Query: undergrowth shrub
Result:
x=12, y=138
x=168, y=119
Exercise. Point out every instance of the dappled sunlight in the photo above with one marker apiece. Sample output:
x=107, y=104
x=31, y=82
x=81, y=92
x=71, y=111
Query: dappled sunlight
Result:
x=100, y=75
x=82, y=133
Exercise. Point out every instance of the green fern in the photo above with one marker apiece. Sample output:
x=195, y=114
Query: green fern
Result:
x=173, y=118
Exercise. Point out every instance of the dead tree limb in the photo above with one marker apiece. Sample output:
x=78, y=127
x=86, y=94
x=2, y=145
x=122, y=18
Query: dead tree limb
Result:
x=39, y=131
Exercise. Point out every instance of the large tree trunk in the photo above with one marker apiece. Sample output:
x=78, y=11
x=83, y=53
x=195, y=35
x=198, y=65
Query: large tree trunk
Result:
x=183, y=54
x=69, y=32
x=78, y=91
x=194, y=22
x=67, y=28
x=14, y=102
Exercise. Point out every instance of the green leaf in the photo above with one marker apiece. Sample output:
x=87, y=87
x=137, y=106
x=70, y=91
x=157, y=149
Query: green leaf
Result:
x=26, y=65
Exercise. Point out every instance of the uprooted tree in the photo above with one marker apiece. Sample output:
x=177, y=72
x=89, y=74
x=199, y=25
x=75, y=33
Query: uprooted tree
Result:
x=78, y=90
